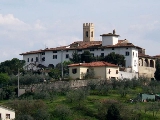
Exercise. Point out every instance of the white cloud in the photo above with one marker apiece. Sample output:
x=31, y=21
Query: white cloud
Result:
x=10, y=22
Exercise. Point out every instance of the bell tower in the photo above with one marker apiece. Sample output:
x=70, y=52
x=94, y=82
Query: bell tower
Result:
x=88, y=32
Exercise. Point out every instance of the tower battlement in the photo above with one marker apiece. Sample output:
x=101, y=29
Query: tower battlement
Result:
x=88, y=32
x=88, y=24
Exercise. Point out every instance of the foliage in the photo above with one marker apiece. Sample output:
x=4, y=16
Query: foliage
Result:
x=32, y=109
x=90, y=74
x=157, y=72
x=62, y=112
x=113, y=113
x=115, y=59
x=4, y=78
x=65, y=67
x=28, y=79
x=77, y=96
x=87, y=57
x=8, y=92
x=55, y=73
x=76, y=58
x=12, y=66
x=91, y=102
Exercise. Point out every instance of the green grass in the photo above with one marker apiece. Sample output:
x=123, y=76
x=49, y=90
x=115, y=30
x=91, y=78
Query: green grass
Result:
x=87, y=110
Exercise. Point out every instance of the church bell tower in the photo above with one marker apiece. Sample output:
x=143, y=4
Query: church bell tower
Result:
x=88, y=32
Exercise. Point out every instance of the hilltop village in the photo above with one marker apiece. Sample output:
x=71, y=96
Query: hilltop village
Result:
x=137, y=63
x=110, y=79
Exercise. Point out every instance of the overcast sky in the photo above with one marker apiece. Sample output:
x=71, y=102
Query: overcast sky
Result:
x=27, y=25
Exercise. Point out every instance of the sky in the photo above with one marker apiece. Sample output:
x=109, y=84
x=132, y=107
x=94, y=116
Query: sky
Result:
x=28, y=25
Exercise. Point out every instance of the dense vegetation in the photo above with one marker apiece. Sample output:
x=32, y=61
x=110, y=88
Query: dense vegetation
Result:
x=99, y=100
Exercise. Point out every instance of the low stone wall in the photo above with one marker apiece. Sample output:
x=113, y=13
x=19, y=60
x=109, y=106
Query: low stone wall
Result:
x=57, y=85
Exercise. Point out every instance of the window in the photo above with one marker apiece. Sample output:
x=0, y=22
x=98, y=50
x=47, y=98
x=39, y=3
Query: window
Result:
x=79, y=50
x=102, y=54
x=36, y=59
x=92, y=34
x=127, y=48
x=87, y=70
x=136, y=54
x=7, y=116
x=135, y=63
x=74, y=71
x=54, y=51
x=102, y=49
x=54, y=56
x=28, y=60
x=43, y=59
x=86, y=33
x=116, y=71
x=109, y=71
x=31, y=59
x=133, y=53
x=66, y=50
x=127, y=53
x=67, y=55
x=0, y=116
x=43, y=53
x=91, y=49
x=112, y=48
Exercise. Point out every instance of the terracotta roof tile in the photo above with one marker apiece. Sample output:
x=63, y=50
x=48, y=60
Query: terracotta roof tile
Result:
x=145, y=56
x=85, y=45
x=32, y=52
x=94, y=64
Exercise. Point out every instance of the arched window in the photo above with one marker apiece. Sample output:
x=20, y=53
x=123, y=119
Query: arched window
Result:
x=86, y=33
x=92, y=34
x=151, y=63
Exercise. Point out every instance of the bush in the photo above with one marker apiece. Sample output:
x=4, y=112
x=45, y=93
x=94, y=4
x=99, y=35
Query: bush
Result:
x=77, y=96
x=61, y=112
x=113, y=113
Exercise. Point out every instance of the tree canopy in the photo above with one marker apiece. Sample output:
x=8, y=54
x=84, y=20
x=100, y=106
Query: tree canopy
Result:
x=157, y=72
x=115, y=59
x=113, y=113
x=11, y=66
x=86, y=56
x=76, y=58
x=4, y=78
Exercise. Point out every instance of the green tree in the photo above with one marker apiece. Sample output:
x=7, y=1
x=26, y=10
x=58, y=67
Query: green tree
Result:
x=87, y=57
x=157, y=72
x=113, y=113
x=55, y=73
x=90, y=74
x=4, y=78
x=12, y=66
x=76, y=58
x=115, y=59
x=65, y=67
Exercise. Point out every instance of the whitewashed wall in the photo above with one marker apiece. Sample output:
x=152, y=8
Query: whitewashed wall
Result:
x=131, y=61
x=127, y=75
x=4, y=111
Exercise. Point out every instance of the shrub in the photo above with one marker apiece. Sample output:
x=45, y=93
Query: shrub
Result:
x=61, y=112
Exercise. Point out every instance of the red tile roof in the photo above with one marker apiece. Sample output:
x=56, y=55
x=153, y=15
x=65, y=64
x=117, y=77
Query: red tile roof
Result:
x=85, y=45
x=145, y=56
x=32, y=52
x=94, y=64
